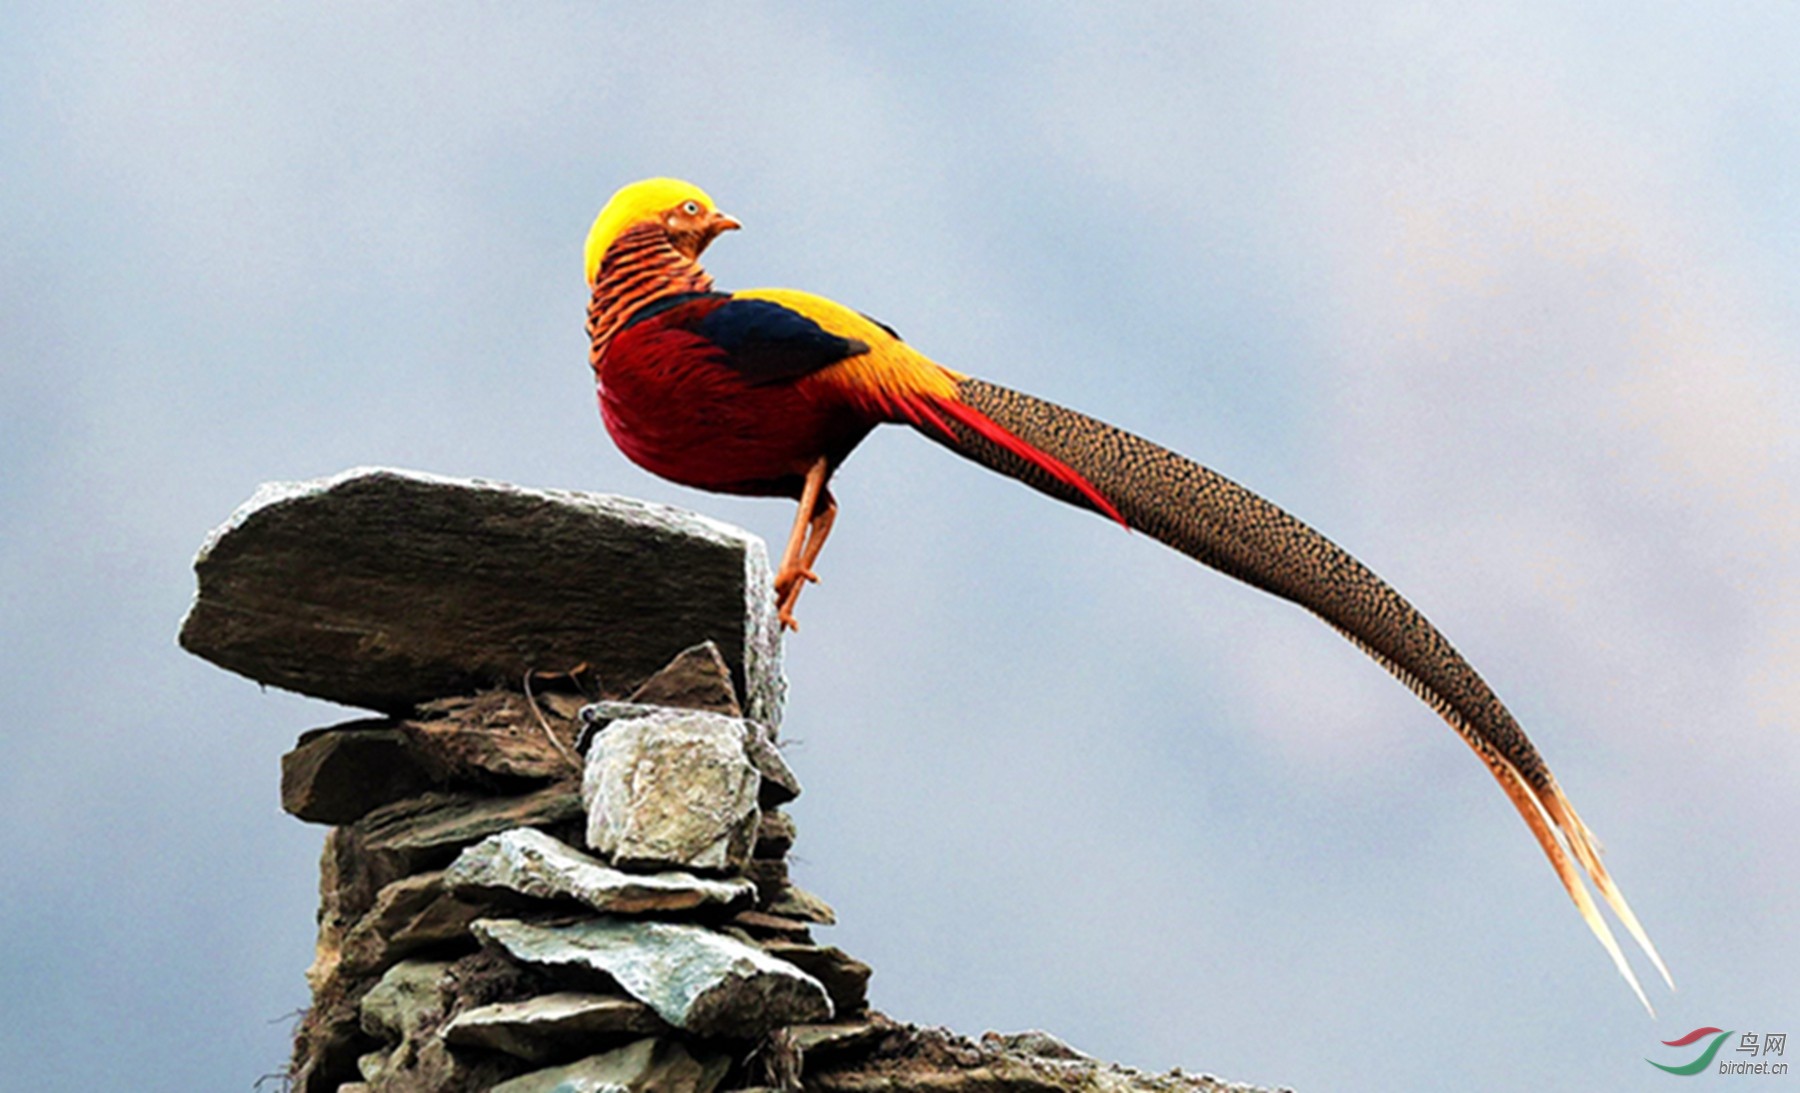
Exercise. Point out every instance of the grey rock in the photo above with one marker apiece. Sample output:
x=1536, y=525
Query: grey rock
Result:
x=775, y=835
x=673, y=788
x=337, y=775
x=793, y=901
x=408, y=997
x=429, y=1065
x=774, y=1063
x=408, y=915
x=647, y=1066
x=908, y=1060
x=770, y=876
x=846, y=979
x=759, y=925
x=693, y=978
x=550, y=1025
x=532, y=863
x=697, y=679
x=473, y=738
x=1034, y=1042
x=839, y=1038
x=385, y=588
x=779, y=786
x=370, y=1066
x=436, y=821
x=327, y=1044
x=596, y=716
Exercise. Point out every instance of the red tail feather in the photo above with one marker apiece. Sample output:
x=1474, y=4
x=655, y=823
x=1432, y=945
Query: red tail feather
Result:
x=928, y=412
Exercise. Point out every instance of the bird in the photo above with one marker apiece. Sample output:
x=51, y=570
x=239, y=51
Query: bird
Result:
x=765, y=393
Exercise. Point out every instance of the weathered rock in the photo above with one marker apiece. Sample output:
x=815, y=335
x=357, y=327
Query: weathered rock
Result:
x=407, y=1009
x=838, y=1039
x=345, y=893
x=384, y=589
x=441, y=822
x=846, y=978
x=770, y=875
x=370, y=1066
x=474, y=738
x=697, y=679
x=408, y=915
x=672, y=789
x=650, y=1065
x=328, y=1042
x=428, y=1065
x=408, y=997
x=1034, y=1042
x=694, y=978
x=779, y=785
x=775, y=835
x=908, y=1060
x=550, y=1026
x=337, y=775
x=330, y=1037
x=796, y=902
x=532, y=863
x=596, y=716
x=761, y=924
x=774, y=1063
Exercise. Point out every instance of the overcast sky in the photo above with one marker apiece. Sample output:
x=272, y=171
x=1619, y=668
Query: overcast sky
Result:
x=1504, y=304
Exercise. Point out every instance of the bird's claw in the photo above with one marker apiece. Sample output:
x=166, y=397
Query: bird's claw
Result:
x=787, y=593
x=789, y=579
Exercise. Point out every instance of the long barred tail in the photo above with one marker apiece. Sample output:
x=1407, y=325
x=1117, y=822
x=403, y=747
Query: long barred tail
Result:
x=1208, y=517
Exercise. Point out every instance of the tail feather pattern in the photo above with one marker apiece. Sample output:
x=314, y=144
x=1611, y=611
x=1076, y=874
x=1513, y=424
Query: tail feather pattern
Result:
x=1212, y=519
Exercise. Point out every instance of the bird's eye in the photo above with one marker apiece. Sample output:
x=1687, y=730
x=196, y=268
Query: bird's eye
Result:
x=692, y=208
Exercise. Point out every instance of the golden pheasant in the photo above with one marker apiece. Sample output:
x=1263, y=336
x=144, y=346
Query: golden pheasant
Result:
x=766, y=392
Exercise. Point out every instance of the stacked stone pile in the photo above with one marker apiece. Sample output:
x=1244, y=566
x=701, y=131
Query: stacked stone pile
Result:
x=559, y=859
x=626, y=919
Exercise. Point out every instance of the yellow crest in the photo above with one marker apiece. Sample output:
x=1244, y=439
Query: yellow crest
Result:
x=635, y=204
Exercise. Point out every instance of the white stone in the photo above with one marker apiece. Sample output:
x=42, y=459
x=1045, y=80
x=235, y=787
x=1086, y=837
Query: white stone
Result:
x=672, y=788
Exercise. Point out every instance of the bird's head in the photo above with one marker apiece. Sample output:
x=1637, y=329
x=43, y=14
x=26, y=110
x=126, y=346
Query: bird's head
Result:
x=680, y=209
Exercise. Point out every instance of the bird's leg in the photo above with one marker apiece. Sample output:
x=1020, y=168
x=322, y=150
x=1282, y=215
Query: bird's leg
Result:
x=811, y=524
x=816, y=531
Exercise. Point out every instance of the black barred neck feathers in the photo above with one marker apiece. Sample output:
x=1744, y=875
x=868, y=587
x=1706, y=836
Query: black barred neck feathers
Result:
x=642, y=265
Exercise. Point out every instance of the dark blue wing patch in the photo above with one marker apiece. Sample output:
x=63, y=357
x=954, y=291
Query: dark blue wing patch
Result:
x=768, y=342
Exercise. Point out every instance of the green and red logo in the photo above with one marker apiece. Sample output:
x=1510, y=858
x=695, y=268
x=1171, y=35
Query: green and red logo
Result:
x=1706, y=1057
x=1750, y=1044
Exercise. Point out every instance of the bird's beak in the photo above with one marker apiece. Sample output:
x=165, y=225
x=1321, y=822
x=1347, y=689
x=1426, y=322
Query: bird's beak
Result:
x=722, y=222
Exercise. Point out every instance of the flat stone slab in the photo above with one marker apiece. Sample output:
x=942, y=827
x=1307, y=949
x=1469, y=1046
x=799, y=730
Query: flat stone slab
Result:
x=408, y=996
x=793, y=901
x=840, y=1037
x=410, y=914
x=470, y=739
x=531, y=863
x=694, y=978
x=910, y=1060
x=340, y=774
x=846, y=978
x=647, y=1066
x=436, y=820
x=385, y=588
x=542, y=1028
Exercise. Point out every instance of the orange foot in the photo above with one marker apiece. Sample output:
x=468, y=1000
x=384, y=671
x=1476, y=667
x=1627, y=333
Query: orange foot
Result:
x=788, y=584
